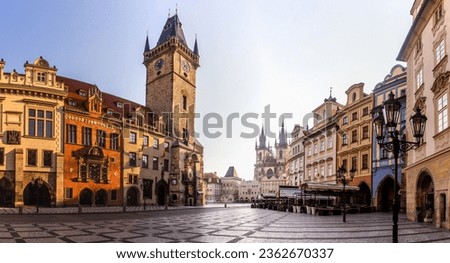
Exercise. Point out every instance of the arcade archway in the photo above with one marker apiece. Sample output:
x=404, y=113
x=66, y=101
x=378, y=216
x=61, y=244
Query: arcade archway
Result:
x=385, y=195
x=132, y=196
x=425, y=198
x=6, y=192
x=86, y=197
x=32, y=193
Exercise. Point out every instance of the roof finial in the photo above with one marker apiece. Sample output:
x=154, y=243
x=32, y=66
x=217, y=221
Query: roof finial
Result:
x=331, y=90
x=169, y=14
x=176, y=9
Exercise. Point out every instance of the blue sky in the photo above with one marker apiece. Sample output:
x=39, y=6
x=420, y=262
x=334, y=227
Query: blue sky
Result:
x=286, y=54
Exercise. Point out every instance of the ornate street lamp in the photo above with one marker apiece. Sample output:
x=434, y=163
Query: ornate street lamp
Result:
x=395, y=145
x=37, y=188
x=340, y=178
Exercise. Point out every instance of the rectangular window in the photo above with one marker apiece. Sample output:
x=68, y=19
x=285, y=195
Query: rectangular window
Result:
x=48, y=158
x=354, y=116
x=71, y=133
x=133, y=137
x=442, y=112
x=330, y=169
x=344, y=120
x=133, y=159
x=2, y=156
x=354, y=163
x=309, y=151
x=354, y=136
x=155, y=143
x=41, y=76
x=32, y=157
x=68, y=193
x=113, y=195
x=440, y=51
x=40, y=123
x=344, y=139
x=322, y=170
x=344, y=164
x=166, y=165
x=145, y=140
x=365, y=161
x=315, y=148
x=101, y=138
x=419, y=78
x=145, y=161
x=330, y=143
x=184, y=103
x=114, y=141
x=87, y=136
x=155, y=163
x=365, y=111
x=322, y=145
x=365, y=132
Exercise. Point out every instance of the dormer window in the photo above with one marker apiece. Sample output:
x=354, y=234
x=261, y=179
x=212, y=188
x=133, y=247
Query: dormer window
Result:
x=119, y=104
x=41, y=76
x=72, y=103
x=109, y=112
x=82, y=92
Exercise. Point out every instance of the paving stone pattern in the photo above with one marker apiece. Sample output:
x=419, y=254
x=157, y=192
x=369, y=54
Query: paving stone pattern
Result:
x=212, y=224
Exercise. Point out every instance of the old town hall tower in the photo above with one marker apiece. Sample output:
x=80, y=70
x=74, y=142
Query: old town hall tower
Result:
x=170, y=92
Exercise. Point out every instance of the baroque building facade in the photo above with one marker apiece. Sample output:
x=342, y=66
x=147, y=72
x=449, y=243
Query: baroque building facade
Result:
x=31, y=149
x=320, y=143
x=295, y=174
x=425, y=50
x=383, y=162
x=353, y=148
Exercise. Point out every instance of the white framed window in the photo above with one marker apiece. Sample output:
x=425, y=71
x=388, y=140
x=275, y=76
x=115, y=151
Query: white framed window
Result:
x=442, y=112
x=322, y=170
x=330, y=169
x=322, y=145
x=330, y=143
x=439, y=51
x=419, y=78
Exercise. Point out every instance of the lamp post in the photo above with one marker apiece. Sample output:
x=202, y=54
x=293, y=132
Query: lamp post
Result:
x=387, y=121
x=143, y=190
x=37, y=187
x=340, y=178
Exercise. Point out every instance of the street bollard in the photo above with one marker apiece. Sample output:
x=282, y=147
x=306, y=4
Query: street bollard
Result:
x=225, y=205
x=124, y=208
x=80, y=209
x=20, y=210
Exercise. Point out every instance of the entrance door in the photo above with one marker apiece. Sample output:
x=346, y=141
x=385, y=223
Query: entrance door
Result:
x=425, y=198
x=132, y=197
x=162, y=194
x=6, y=193
x=386, y=195
x=31, y=195
x=101, y=198
x=86, y=197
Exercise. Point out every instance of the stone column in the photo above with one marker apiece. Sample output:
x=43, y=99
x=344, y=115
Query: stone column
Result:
x=59, y=186
x=19, y=184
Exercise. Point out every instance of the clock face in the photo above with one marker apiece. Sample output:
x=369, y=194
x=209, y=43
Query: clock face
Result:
x=185, y=65
x=159, y=64
x=190, y=190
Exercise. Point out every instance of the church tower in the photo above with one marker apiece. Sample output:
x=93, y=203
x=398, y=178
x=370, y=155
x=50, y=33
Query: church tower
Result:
x=171, y=79
x=171, y=68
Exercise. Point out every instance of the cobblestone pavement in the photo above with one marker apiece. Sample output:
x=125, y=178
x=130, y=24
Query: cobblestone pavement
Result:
x=236, y=223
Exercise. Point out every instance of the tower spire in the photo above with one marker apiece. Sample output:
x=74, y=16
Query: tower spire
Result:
x=196, y=46
x=147, y=44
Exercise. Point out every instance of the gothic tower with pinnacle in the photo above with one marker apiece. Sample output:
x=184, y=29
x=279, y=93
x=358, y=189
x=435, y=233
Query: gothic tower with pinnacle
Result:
x=171, y=68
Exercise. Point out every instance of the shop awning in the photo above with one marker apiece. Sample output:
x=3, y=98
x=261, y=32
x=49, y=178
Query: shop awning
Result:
x=327, y=187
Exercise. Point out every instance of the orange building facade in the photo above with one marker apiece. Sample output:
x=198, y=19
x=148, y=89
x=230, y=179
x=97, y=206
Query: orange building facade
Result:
x=92, y=172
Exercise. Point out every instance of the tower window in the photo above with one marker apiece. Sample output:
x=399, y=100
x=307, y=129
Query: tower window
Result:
x=41, y=76
x=184, y=103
